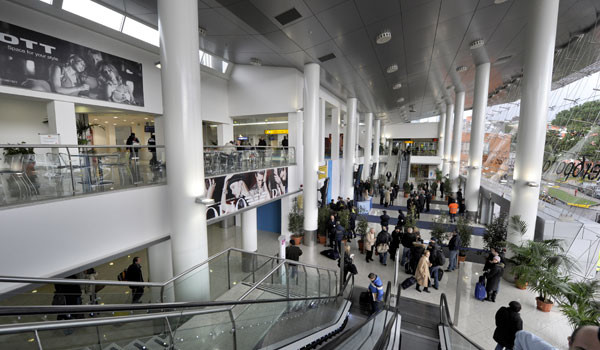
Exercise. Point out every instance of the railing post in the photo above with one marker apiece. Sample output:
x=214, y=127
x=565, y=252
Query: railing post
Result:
x=305, y=281
x=319, y=283
x=170, y=333
x=459, y=283
x=287, y=284
x=39, y=342
x=234, y=329
x=228, y=271
x=329, y=285
x=99, y=337
x=71, y=170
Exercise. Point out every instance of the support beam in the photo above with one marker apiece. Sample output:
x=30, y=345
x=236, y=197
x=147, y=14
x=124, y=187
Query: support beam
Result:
x=368, y=146
x=480, y=98
x=311, y=152
x=540, y=37
x=448, y=140
x=441, y=138
x=459, y=108
x=349, y=148
x=335, y=133
x=376, y=143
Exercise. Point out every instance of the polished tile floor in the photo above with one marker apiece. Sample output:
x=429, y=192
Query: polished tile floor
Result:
x=475, y=318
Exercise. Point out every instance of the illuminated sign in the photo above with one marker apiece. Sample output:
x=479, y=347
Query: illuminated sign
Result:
x=322, y=171
x=276, y=132
x=410, y=141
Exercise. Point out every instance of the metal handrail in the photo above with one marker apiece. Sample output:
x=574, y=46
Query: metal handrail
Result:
x=387, y=326
x=445, y=312
x=32, y=145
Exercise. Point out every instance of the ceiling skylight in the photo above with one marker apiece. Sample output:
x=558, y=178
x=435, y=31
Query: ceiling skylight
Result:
x=141, y=31
x=49, y=2
x=95, y=12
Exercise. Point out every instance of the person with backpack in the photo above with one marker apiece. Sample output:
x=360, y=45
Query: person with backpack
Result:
x=376, y=290
x=407, y=241
x=134, y=274
x=508, y=323
x=383, y=245
x=437, y=260
x=427, y=200
x=493, y=277
x=416, y=252
x=401, y=219
x=453, y=247
x=352, y=221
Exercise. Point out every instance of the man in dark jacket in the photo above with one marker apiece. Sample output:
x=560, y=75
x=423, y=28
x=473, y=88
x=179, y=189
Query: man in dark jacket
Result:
x=339, y=235
x=407, y=242
x=442, y=188
x=493, y=277
x=383, y=239
x=427, y=200
x=508, y=323
x=352, y=221
x=293, y=253
x=453, y=247
x=384, y=219
x=395, y=243
x=134, y=274
x=437, y=260
x=331, y=224
x=421, y=202
x=401, y=220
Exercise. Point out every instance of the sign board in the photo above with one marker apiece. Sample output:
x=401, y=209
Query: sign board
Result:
x=322, y=171
x=410, y=141
x=276, y=131
x=364, y=207
x=39, y=62
x=49, y=139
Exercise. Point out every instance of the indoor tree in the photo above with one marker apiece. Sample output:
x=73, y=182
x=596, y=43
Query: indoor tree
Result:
x=581, y=303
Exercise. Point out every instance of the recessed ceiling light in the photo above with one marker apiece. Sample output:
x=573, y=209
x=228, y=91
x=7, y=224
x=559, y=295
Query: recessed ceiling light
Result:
x=116, y=117
x=384, y=37
x=476, y=44
x=131, y=122
x=146, y=118
x=95, y=119
x=461, y=69
x=114, y=123
x=124, y=120
x=392, y=68
x=400, y=100
x=502, y=59
x=157, y=65
x=105, y=122
x=397, y=86
x=497, y=2
x=255, y=61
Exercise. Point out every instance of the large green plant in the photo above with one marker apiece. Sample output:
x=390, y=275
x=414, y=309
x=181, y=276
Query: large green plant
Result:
x=440, y=229
x=581, y=303
x=296, y=220
x=406, y=187
x=497, y=231
x=465, y=232
x=438, y=175
x=82, y=129
x=411, y=218
x=323, y=219
x=434, y=187
x=362, y=226
x=344, y=219
x=544, y=266
x=11, y=151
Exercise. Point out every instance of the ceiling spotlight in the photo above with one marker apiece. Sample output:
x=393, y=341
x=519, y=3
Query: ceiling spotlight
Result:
x=392, y=68
x=397, y=86
x=497, y=2
x=384, y=37
x=255, y=62
x=157, y=65
x=400, y=100
x=461, y=69
x=502, y=60
x=476, y=44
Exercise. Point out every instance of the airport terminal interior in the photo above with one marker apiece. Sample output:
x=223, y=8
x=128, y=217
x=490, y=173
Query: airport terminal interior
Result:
x=299, y=174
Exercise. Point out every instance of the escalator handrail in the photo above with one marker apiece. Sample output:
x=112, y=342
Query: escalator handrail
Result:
x=388, y=326
x=21, y=279
x=445, y=312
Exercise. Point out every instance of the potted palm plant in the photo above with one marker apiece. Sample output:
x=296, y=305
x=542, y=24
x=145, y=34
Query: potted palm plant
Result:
x=440, y=229
x=296, y=223
x=465, y=232
x=411, y=219
x=361, y=230
x=434, y=187
x=323, y=218
x=344, y=218
x=544, y=266
x=406, y=188
x=581, y=303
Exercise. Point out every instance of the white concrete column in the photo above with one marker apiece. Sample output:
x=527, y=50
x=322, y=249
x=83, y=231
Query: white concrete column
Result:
x=249, y=231
x=539, y=42
x=294, y=177
x=311, y=152
x=448, y=140
x=440, y=145
x=160, y=266
x=224, y=134
x=376, y=143
x=178, y=27
x=459, y=108
x=335, y=133
x=322, y=133
x=482, y=81
x=368, y=146
x=62, y=121
x=349, y=148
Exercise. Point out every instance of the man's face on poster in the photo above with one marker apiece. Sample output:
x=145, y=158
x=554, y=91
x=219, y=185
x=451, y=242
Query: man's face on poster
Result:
x=260, y=179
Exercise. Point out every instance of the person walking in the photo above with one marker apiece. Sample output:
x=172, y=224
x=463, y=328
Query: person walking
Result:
x=370, y=240
x=453, y=209
x=331, y=225
x=376, y=290
x=152, y=150
x=388, y=197
x=395, y=243
x=453, y=247
x=442, y=189
x=384, y=219
x=422, y=272
x=508, y=323
x=134, y=274
x=493, y=277
x=401, y=219
x=383, y=245
x=292, y=252
x=427, y=200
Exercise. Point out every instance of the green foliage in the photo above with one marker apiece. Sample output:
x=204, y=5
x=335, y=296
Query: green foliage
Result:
x=434, y=187
x=411, y=218
x=440, y=230
x=296, y=220
x=406, y=187
x=11, y=151
x=344, y=218
x=82, y=129
x=438, y=175
x=581, y=303
x=361, y=226
x=465, y=232
x=497, y=231
x=322, y=219
x=544, y=265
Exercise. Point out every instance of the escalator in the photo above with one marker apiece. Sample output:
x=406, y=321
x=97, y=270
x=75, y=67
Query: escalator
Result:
x=255, y=302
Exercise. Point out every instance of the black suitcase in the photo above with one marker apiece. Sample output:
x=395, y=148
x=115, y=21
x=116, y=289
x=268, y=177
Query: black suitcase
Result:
x=408, y=282
x=331, y=254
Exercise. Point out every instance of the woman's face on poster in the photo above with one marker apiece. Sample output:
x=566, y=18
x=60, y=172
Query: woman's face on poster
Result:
x=283, y=174
x=108, y=73
x=236, y=188
x=78, y=64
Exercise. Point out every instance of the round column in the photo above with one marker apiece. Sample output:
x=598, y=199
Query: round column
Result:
x=540, y=37
x=368, y=146
x=376, y=143
x=440, y=145
x=482, y=81
x=178, y=27
x=249, y=239
x=448, y=139
x=349, y=148
x=311, y=152
x=459, y=108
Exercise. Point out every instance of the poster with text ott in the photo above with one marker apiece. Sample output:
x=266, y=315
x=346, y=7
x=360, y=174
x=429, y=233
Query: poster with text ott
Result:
x=35, y=61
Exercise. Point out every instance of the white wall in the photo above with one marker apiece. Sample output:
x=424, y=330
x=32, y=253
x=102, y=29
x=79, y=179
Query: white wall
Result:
x=215, y=99
x=21, y=120
x=33, y=20
x=264, y=90
x=411, y=131
x=432, y=160
x=50, y=238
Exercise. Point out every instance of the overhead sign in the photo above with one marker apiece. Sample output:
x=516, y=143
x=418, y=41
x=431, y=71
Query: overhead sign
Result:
x=276, y=131
x=409, y=141
x=322, y=171
x=39, y=62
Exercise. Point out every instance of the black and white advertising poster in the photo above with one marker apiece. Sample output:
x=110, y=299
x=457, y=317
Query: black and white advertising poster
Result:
x=39, y=62
x=234, y=192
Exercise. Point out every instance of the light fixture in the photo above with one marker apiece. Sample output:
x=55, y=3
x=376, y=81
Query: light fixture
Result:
x=384, y=37
x=95, y=119
x=202, y=31
x=255, y=62
x=400, y=100
x=105, y=122
x=141, y=31
x=157, y=65
x=205, y=201
x=476, y=44
x=502, y=60
x=116, y=117
x=49, y=2
x=497, y=2
x=397, y=86
x=114, y=123
x=532, y=184
x=392, y=68
x=461, y=69
x=146, y=118
x=95, y=12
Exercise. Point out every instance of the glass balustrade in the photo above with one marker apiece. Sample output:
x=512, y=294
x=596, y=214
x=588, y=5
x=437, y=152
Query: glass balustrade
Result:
x=232, y=159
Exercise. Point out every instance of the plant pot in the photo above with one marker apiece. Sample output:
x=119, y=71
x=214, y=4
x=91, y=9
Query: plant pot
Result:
x=323, y=240
x=432, y=198
x=542, y=305
x=297, y=240
x=405, y=194
x=462, y=258
x=361, y=245
x=521, y=285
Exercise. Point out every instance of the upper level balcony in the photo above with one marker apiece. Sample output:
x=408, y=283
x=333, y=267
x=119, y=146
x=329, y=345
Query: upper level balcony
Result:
x=33, y=173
